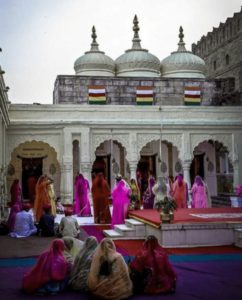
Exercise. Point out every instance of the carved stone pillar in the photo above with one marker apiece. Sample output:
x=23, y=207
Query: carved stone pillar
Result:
x=236, y=173
x=86, y=168
x=67, y=168
x=133, y=167
x=67, y=184
x=186, y=169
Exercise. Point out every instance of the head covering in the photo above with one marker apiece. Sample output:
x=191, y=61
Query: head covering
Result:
x=82, y=264
x=118, y=177
x=50, y=266
x=153, y=259
x=26, y=206
x=68, y=211
x=47, y=207
x=198, y=180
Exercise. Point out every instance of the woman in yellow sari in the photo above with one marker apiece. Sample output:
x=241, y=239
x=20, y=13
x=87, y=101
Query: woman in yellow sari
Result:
x=109, y=276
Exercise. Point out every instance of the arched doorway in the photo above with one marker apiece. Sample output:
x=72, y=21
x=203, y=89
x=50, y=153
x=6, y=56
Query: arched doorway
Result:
x=110, y=160
x=157, y=159
x=211, y=161
x=28, y=162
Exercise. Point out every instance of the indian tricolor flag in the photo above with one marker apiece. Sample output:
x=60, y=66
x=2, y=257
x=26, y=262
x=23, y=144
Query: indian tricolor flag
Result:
x=144, y=95
x=96, y=94
x=192, y=93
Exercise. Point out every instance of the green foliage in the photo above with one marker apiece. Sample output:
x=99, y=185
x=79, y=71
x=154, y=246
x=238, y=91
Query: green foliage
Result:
x=168, y=204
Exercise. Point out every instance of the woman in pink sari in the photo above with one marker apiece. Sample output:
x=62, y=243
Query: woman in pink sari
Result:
x=81, y=205
x=151, y=271
x=50, y=274
x=16, y=193
x=121, y=201
x=199, y=197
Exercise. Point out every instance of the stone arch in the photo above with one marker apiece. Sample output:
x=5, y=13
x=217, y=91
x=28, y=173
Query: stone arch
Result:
x=98, y=139
x=30, y=152
x=225, y=139
x=174, y=139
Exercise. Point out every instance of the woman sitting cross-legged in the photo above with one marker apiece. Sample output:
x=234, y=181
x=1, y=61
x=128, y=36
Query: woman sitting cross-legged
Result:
x=51, y=272
x=151, y=271
x=82, y=265
x=109, y=276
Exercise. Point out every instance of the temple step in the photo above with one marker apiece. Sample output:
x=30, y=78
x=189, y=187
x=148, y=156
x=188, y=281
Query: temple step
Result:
x=238, y=237
x=132, y=229
x=112, y=234
x=125, y=230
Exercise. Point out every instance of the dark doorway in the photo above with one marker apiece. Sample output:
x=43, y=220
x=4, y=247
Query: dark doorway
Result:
x=146, y=167
x=31, y=171
x=102, y=165
x=197, y=167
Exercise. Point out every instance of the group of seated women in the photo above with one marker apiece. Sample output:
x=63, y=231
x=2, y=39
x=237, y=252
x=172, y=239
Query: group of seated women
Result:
x=100, y=270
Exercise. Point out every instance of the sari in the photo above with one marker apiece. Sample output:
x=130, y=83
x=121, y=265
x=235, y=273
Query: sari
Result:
x=199, y=195
x=121, y=201
x=100, y=197
x=81, y=205
x=151, y=271
x=12, y=216
x=109, y=276
x=82, y=265
x=135, y=195
x=42, y=197
x=51, y=267
x=180, y=192
x=72, y=247
x=149, y=196
x=16, y=193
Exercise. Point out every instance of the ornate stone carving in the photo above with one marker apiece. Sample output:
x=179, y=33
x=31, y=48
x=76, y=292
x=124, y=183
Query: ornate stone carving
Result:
x=97, y=139
x=15, y=140
x=225, y=139
x=144, y=138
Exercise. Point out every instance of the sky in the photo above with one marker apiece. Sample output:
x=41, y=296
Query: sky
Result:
x=41, y=39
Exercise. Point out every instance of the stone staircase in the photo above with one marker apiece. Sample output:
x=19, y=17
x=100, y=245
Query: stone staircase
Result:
x=131, y=230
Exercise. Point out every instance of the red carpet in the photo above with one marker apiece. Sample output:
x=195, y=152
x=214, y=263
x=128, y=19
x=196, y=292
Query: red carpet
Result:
x=152, y=217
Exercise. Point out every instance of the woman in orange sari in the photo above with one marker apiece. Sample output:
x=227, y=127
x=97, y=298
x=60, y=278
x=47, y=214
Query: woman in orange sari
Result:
x=100, y=197
x=42, y=197
x=180, y=192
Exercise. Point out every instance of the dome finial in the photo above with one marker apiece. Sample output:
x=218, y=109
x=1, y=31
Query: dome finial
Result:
x=94, y=44
x=181, y=44
x=136, y=39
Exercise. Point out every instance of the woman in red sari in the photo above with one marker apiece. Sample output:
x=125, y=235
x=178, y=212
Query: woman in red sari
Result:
x=100, y=197
x=16, y=193
x=50, y=274
x=151, y=271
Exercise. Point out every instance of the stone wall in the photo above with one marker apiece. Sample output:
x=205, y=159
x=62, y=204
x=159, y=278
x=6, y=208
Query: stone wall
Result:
x=73, y=89
x=222, y=50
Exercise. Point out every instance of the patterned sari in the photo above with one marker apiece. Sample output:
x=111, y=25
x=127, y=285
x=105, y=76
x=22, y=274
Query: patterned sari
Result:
x=109, y=276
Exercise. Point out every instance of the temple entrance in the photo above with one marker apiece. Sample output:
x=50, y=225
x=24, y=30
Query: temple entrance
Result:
x=197, y=167
x=102, y=165
x=31, y=171
x=145, y=168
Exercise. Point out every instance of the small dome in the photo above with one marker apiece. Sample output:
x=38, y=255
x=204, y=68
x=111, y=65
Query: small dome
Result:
x=137, y=62
x=182, y=63
x=94, y=62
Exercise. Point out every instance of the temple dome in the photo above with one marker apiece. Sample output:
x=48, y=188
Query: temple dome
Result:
x=183, y=63
x=137, y=61
x=94, y=62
